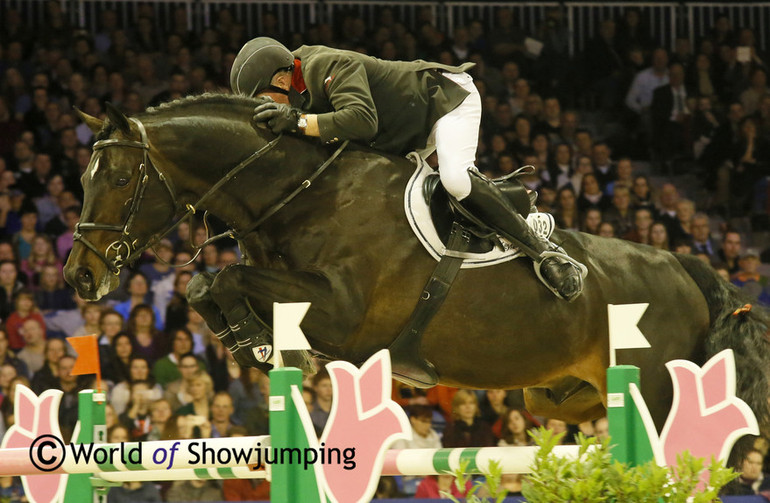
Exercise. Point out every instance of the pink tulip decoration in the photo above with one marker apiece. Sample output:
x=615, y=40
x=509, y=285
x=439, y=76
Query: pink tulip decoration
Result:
x=706, y=417
x=35, y=416
x=365, y=418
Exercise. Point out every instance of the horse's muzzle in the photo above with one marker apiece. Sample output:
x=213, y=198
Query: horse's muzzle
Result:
x=82, y=279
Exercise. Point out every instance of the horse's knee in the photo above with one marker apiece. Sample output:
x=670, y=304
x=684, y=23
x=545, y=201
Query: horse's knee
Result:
x=199, y=288
x=227, y=285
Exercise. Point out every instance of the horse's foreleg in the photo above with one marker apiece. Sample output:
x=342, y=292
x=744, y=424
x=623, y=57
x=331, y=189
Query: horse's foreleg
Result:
x=246, y=294
x=200, y=298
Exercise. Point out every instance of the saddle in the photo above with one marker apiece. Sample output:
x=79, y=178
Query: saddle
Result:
x=431, y=213
x=445, y=210
x=457, y=240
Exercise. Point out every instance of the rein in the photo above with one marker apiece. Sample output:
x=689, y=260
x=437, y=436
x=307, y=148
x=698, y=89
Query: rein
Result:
x=113, y=256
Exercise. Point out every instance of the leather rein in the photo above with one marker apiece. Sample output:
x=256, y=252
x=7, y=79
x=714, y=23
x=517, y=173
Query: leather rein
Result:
x=124, y=249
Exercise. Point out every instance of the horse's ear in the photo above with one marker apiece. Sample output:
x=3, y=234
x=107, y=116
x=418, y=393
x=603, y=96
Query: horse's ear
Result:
x=117, y=118
x=93, y=123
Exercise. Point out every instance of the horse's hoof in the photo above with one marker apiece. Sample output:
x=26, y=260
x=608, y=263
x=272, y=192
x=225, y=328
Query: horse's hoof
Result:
x=300, y=359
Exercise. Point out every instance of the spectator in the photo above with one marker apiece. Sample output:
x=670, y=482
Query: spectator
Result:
x=138, y=370
x=244, y=489
x=592, y=219
x=591, y=195
x=8, y=357
x=221, y=414
x=623, y=176
x=245, y=393
x=136, y=417
x=138, y=289
x=701, y=236
x=71, y=386
x=7, y=406
x=750, y=478
x=641, y=231
x=467, y=429
x=41, y=255
x=670, y=115
x=641, y=193
x=141, y=325
x=423, y=435
x=194, y=490
x=117, y=367
x=52, y=295
x=322, y=385
x=201, y=389
x=659, y=236
x=566, y=214
x=730, y=250
x=620, y=214
x=91, y=314
x=750, y=98
x=177, y=392
x=685, y=210
x=10, y=286
x=748, y=278
x=166, y=369
x=22, y=240
x=434, y=486
x=25, y=310
x=176, y=309
x=516, y=425
x=160, y=413
x=604, y=167
x=48, y=376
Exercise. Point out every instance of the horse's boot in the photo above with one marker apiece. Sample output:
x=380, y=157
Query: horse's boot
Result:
x=199, y=297
x=559, y=272
x=255, y=342
x=254, y=339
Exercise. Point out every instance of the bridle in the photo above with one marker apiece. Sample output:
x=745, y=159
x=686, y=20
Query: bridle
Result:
x=124, y=250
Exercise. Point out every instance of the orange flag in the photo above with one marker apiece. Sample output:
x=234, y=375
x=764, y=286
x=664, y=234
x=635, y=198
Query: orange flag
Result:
x=87, y=348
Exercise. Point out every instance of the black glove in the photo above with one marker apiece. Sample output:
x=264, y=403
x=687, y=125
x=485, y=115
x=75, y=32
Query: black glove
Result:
x=278, y=116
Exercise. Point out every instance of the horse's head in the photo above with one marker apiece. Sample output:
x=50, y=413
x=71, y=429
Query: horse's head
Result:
x=127, y=201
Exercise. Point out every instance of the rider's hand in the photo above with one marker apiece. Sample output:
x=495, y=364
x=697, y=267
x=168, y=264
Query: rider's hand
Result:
x=279, y=117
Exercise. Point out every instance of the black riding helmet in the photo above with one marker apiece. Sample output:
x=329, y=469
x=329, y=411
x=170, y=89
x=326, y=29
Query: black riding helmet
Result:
x=256, y=63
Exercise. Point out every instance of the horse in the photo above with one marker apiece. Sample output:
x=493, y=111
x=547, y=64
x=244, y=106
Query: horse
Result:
x=344, y=245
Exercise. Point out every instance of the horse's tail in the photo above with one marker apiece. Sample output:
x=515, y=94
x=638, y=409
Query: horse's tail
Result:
x=740, y=329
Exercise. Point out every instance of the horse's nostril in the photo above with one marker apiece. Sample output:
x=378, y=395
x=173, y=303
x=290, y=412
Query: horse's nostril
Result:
x=85, y=279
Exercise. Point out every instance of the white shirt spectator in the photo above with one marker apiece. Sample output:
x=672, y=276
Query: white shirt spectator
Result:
x=639, y=97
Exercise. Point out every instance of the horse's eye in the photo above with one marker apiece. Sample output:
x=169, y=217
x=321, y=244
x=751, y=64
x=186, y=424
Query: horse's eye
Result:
x=122, y=182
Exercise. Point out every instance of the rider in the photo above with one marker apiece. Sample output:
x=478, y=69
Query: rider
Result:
x=396, y=107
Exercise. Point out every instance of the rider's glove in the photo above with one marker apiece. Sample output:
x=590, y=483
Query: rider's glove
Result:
x=279, y=117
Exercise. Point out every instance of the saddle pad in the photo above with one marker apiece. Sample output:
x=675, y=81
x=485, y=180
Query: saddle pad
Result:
x=418, y=215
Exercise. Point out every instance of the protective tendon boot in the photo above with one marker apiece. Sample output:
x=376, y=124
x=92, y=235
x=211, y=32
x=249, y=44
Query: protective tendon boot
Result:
x=559, y=272
x=199, y=297
x=251, y=334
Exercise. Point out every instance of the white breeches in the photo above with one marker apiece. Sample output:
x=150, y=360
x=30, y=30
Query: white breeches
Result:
x=456, y=138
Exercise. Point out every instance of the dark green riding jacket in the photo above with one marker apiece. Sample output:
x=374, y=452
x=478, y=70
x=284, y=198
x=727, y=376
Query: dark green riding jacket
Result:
x=389, y=105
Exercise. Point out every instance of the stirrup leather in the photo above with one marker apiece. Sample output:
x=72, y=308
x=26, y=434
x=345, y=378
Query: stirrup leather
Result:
x=558, y=252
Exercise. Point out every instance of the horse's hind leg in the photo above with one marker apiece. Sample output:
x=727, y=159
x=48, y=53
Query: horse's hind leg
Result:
x=200, y=298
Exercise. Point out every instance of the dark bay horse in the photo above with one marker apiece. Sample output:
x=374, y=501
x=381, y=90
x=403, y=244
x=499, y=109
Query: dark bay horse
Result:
x=345, y=245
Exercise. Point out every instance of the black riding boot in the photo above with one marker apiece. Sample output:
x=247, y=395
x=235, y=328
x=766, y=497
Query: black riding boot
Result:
x=560, y=273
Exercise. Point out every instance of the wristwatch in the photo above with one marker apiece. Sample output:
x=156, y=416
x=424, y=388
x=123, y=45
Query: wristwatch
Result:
x=302, y=124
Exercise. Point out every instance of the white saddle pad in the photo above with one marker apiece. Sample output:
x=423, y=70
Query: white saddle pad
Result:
x=418, y=215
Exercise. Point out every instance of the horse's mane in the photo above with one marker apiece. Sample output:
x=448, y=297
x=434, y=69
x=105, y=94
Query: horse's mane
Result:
x=230, y=101
x=224, y=103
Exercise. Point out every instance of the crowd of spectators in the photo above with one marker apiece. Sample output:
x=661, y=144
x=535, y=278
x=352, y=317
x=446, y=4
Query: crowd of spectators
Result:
x=610, y=134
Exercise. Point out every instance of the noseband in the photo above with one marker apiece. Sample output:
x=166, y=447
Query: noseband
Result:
x=123, y=250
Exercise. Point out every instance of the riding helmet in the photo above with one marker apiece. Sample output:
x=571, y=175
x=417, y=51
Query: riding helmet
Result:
x=256, y=63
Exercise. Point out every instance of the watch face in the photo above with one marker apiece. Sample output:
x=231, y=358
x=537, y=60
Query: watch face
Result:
x=302, y=122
